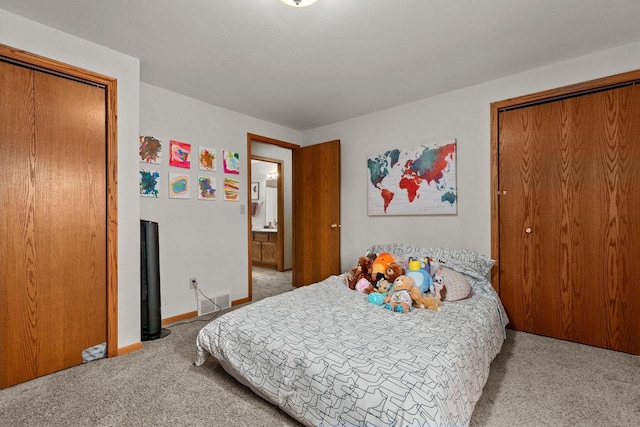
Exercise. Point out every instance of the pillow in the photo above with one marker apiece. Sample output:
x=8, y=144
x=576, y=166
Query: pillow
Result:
x=458, y=287
x=463, y=260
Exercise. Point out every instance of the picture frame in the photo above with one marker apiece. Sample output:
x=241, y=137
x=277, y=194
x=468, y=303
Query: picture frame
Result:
x=255, y=191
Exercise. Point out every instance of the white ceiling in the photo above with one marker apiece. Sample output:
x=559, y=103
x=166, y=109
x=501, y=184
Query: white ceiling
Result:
x=337, y=59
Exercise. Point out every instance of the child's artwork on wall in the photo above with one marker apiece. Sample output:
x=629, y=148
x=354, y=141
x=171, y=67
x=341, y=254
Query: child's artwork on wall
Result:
x=231, y=162
x=231, y=189
x=207, y=159
x=149, y=183
x=206, y=188
x=418, y=180
x=178, y=186
x=150, y=149
x=180, y=154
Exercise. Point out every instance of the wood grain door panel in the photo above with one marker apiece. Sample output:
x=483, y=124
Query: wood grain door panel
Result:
x=316, y=209
x=570, y=172
x=53, y=265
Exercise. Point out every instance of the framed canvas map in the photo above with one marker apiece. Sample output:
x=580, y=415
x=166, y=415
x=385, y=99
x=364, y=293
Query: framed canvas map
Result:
x=418, y=180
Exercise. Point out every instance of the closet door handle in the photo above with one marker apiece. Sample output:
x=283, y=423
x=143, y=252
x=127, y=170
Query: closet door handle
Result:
x=527, y=230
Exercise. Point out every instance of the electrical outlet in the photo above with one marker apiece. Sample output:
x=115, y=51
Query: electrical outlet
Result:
x=193, y=283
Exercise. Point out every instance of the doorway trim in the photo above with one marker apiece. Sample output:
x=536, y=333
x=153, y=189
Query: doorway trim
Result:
x=251, y=137
x=110, y=86
x=521, y=101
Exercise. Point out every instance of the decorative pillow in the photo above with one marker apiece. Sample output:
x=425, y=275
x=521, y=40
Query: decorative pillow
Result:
x=458, y=287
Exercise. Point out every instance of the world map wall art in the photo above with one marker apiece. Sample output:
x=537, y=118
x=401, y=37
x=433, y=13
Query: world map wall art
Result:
x=419, y=180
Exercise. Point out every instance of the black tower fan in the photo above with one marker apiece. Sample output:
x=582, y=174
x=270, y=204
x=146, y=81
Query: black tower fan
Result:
x=150, y=316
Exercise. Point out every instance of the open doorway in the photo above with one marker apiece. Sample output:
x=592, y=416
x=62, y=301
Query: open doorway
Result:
x=270, y=216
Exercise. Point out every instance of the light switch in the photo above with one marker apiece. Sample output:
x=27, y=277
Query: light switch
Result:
x=242, y=209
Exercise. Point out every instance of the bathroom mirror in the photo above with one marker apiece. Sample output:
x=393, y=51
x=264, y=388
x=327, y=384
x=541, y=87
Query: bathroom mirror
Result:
x=271, y=203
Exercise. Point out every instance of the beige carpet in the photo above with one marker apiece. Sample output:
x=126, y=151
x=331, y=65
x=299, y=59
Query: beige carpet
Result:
x=534, y=381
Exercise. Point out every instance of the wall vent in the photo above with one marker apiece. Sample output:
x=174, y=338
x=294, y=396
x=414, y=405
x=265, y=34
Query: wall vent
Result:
x=221, y=302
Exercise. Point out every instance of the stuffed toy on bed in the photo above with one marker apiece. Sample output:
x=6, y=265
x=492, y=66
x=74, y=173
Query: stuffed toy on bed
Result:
x=380, y=265
x=393, y=271
x=399, y=299
x=361, y=271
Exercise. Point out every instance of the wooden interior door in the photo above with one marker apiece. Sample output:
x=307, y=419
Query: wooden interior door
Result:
x=569, y=180
x=316, y=251
x=53, y=261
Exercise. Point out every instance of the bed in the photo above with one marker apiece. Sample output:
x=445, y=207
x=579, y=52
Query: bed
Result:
x=327, y=356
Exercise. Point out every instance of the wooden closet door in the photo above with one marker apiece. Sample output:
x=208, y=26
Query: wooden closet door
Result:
x=53, y=229
x=569, y=234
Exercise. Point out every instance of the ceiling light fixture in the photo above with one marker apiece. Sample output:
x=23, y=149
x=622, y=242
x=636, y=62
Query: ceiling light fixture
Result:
x=298, y=3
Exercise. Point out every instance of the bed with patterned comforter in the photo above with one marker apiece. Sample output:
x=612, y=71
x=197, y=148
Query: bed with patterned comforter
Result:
x=327, y=356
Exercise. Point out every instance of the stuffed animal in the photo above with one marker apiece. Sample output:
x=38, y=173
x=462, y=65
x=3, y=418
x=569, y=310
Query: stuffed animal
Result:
x=420, y=274
x=364, y=286
x=378, y=295
x=390, y=274
x=379, y=266
x=437, y=288
x=399, y=299
x=361, y=270
x=427, y=301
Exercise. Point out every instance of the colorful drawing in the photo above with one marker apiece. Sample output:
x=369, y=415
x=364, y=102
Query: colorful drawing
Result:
x=231, y=162
x=413, y=181
x=150, y=149
x=149, y=183
x=231, y=189
x=178, y=186
x=180, y=154
x=207, y=159
x=206, y=188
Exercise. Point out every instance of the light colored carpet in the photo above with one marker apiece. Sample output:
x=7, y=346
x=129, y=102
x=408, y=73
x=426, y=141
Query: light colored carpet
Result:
x=267, y=282
x=534, y=381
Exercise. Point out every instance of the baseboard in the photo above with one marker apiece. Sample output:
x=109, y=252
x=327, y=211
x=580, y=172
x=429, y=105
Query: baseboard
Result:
x=240, y=301
x=130, y=348
x=179, y=317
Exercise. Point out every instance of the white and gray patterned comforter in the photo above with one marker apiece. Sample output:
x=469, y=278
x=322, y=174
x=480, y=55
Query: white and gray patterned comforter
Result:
x=327, y=356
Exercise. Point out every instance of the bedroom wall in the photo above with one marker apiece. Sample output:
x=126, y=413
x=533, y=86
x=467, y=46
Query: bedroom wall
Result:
x=30, y=36
x=202, y=239
x=463, y=114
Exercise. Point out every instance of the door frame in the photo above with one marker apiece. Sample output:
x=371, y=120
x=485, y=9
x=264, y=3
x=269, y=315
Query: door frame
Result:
x=550, y=95
x=41, y=63
x=251, y=137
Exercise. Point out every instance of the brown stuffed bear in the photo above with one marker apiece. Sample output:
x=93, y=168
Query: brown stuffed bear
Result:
x=362, y=270
x=390, y=275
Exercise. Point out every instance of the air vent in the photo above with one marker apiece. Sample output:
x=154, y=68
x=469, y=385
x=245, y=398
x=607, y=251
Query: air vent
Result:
x=206, y=306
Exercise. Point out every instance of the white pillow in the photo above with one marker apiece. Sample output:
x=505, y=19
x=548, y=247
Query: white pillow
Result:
x=458, y=287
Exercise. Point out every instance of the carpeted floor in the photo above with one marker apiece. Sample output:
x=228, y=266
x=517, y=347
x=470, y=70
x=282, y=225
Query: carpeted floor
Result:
x=267, y=282
x=534, y=381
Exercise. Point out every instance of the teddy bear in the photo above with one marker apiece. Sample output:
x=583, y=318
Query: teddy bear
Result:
x=361, y=271
x=399, y=298
x=390, y=274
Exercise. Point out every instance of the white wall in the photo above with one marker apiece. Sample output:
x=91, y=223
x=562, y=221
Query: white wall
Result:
x=202, y=239
x=463, y=114
x=30, y=36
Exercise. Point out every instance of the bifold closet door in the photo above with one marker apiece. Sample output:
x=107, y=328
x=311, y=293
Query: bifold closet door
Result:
x=52, y=222
x=569, y=174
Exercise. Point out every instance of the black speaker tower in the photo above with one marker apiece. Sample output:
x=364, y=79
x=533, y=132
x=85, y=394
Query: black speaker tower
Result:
x=150, y=312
